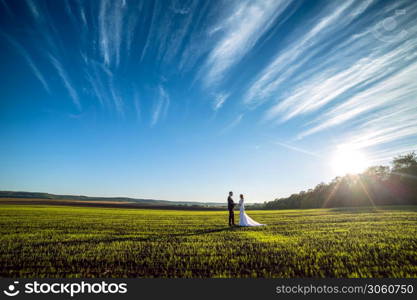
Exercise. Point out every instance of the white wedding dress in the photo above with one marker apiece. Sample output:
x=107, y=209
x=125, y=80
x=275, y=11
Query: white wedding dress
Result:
x=244, y=219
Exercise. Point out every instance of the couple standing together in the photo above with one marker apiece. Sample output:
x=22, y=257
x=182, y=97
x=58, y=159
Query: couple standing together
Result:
x=244, y=219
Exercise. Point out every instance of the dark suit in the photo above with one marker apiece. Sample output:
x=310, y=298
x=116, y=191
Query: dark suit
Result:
x=230, y=207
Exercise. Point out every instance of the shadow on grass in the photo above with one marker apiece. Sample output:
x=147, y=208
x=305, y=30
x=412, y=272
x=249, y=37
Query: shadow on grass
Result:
x=152, y=238
x=373, y=209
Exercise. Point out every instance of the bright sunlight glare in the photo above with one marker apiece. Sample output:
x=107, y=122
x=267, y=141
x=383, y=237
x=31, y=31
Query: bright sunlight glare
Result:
x=349, y=161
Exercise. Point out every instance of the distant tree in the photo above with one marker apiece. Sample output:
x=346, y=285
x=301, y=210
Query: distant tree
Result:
x=379, y=172
x=378, y=185
x=405, y=164
x=404, y=177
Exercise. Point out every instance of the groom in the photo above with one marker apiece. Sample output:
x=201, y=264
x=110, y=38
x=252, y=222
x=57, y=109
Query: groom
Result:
x=230, y=207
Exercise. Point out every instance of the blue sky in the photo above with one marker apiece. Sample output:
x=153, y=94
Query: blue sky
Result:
x=186, y=100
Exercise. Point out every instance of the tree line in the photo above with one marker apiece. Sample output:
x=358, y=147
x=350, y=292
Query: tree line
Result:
x=378, y=185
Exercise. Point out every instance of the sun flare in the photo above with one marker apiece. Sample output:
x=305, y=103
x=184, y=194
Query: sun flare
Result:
x=349, y=161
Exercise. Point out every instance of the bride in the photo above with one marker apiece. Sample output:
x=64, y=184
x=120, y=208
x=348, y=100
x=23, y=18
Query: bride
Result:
x=244, y=219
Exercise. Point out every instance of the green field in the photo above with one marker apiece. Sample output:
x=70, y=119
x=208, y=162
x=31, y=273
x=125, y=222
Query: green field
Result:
x=60, y=241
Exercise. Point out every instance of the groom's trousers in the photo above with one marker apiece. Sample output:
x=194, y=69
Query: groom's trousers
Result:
x=231, y=217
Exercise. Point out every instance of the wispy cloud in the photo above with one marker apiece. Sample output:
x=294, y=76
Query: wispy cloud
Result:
x=69, y=11
x=97, y=86
x=6, y=7
x=198, y=45
x=152, y=28
x=241, y=29
x=30, y=62
x=186, y=14
x=103, y=33
x=101, y=80
x=236, y=121
x=388, y=125
x=169, y=30
x=291, y=58
x=297, y=149
x=220, y=99
x=66, y=80
x=33, y=9
x=385, y=155
x=130, y=32
x=117, y=99
x=104, y=85
x=83, y=16
x=396, y=90
x=111, y=16
x=322, y=66
x=161, y=106
x=327, y=86
x=341, y=72
x=385, y=133
x=44, y=28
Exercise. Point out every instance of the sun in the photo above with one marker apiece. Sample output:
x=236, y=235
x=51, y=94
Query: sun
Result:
x=349, y=161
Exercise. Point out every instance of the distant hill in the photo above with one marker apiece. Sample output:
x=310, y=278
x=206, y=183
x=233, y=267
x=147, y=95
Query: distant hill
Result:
x=151, y=202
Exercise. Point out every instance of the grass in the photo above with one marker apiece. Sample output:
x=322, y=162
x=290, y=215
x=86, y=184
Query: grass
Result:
x=56, y=241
